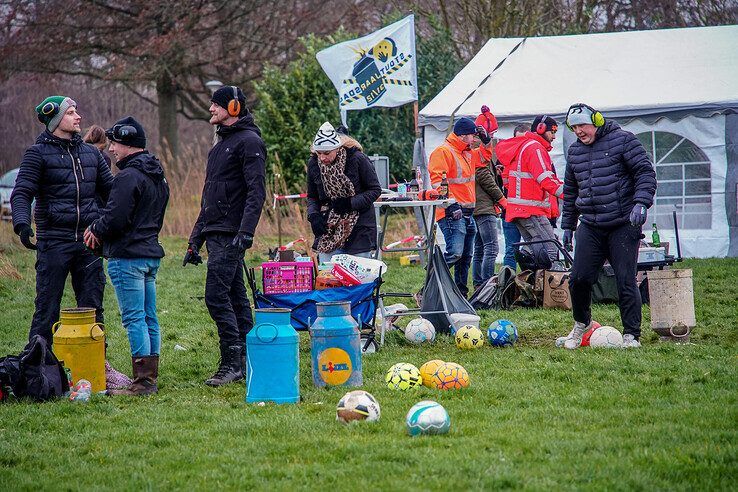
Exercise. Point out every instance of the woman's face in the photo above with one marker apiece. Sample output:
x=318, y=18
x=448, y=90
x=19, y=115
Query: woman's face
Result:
x=326, y=157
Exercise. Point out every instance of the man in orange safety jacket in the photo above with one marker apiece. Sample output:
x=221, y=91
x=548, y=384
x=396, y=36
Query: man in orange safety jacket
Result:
x=456, y=158
x=532, y=185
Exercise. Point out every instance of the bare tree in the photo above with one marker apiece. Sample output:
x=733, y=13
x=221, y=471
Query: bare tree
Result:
x=163, y=51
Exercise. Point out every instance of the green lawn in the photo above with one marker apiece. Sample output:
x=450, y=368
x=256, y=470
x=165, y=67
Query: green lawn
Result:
x=535, y=417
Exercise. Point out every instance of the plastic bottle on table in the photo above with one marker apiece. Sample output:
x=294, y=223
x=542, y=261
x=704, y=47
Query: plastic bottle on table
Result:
x=655, y=239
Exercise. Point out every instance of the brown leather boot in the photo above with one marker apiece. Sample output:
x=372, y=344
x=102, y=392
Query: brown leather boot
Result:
x=145, y=376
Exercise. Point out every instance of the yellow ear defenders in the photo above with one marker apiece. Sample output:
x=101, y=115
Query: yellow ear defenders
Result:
x=234, y=105
x=48, y=110
x=597, y=119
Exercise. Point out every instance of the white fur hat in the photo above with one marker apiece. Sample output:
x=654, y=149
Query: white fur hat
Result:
x=326, y=139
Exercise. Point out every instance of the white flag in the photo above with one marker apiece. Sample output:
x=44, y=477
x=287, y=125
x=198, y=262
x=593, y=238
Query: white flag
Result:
x=376, y=70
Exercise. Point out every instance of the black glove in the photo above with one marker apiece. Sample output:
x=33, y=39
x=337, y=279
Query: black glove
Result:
x=317, y=224
x=483, y=135
x=342, y=205
x=453, y=211
x=638, y=215
x=192, y=255
x=567, y=239
x=243, y=240
x=26, y=233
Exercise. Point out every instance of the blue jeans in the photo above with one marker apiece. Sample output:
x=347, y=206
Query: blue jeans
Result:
x=512, y=235
x=134, y=280
x=485, y=249
x=459, y=237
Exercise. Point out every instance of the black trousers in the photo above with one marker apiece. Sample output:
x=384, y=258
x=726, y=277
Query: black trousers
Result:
x=55, y=260
x=619, y=246
x=225, y=291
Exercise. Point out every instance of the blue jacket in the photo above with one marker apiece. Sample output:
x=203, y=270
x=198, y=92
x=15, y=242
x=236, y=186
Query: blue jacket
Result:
x=129, y=225
x=65, y=177
x=605, y=179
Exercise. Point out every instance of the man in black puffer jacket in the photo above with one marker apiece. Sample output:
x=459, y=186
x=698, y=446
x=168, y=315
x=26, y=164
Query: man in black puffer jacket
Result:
x=610, y=183
x=65, y=176
x=234, y=193
x=129, y=228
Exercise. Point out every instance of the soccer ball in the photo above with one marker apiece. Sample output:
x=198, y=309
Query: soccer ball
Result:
x=403, y=376
x=588, y=334
x=427, y=417
x=606, y=337
x=427, y=371
x=450, y=376
x=420, y=330
x=502, y=333
x=357, y=405
x=469, y=337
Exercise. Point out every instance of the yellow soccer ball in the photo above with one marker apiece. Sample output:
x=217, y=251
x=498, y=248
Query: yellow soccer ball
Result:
x=450, y=376
x=427, y=371
x=469, y=337
x=403, y=376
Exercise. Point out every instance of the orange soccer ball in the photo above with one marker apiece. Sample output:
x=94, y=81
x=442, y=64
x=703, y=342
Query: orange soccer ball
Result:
x=428, y=370
x=450, y=376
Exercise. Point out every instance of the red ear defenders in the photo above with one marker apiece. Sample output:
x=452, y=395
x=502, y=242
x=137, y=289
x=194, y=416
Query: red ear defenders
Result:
x=234, y=105
x=48, y=110
x=541, y=127
x=597, y=119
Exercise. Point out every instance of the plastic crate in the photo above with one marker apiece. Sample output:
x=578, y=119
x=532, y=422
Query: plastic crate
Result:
x=287, y=277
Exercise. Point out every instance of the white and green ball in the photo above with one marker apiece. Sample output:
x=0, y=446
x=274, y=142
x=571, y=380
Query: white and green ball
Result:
x=427, y=417
x=420, y=330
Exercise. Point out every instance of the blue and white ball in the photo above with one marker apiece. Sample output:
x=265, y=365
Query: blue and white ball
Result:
x=427, y=417
x=502, y=333
x=420, y=330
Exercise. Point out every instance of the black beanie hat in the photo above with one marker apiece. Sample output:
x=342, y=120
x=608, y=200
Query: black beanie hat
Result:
x=224, y=95
x=465, y=126
x=550, y=123
x=128, y=132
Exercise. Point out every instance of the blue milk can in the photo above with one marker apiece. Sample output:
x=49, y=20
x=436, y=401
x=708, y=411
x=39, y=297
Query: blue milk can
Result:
x=335, y=345
x=272, y=358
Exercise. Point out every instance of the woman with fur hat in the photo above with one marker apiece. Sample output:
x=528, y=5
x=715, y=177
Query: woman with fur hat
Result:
x=342, y=187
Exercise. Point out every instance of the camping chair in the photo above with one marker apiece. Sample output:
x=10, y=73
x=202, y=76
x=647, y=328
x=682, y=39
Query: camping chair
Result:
x=364, y=299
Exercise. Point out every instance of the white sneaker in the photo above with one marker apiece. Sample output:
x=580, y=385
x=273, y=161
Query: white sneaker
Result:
x=629, y=341
x=574, y=338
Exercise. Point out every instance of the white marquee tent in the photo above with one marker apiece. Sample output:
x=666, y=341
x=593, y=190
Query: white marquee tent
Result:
x=677, y=89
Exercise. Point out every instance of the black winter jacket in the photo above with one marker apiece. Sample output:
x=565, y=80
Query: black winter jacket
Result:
x=235, y=182
x=129, y=225
x=360, y=171
x=606, y=179
x=67, y=177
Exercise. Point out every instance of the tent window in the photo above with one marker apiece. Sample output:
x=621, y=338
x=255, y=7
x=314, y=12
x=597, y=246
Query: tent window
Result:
x=684, y=181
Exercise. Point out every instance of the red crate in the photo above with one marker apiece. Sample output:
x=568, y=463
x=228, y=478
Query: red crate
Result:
x=284, y=277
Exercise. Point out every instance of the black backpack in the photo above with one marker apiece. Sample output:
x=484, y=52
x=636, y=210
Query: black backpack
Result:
x=35, y=373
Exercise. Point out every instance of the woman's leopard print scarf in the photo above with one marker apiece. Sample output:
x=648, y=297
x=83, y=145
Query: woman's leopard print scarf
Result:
x=337, y=185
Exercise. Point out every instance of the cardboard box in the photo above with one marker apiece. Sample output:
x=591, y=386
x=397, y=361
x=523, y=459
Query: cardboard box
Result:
x=410, y=260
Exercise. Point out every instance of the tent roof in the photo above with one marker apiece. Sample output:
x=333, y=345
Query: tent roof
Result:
x=622, y=74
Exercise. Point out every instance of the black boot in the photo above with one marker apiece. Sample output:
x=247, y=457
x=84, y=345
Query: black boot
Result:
x=230, y=369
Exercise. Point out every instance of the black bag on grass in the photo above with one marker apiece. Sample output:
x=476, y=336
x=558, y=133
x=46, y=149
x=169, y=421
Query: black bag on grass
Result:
x=35, y=373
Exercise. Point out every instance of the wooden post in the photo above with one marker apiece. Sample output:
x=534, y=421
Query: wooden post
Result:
x=415, y=117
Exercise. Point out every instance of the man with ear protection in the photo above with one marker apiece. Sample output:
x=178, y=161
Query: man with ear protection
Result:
x=66, y=176
x=610, y=182
x=232, y=199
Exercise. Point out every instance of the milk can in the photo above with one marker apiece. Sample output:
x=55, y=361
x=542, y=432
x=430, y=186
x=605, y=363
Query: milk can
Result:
x=272, y=358
x=79, y=342
x=335, y=345
x=671, y=295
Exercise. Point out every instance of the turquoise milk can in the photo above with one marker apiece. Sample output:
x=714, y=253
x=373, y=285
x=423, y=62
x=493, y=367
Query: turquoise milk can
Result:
x=335, y=345
x=272, y=358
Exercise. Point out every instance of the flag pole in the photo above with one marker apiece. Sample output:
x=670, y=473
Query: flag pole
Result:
x=415, y=118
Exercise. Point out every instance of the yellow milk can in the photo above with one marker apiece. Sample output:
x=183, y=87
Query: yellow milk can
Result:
x=79, y=342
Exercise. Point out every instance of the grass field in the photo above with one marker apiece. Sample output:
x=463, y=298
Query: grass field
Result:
x=664, y=417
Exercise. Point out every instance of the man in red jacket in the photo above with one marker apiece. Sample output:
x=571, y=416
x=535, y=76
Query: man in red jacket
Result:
x=532, y=186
